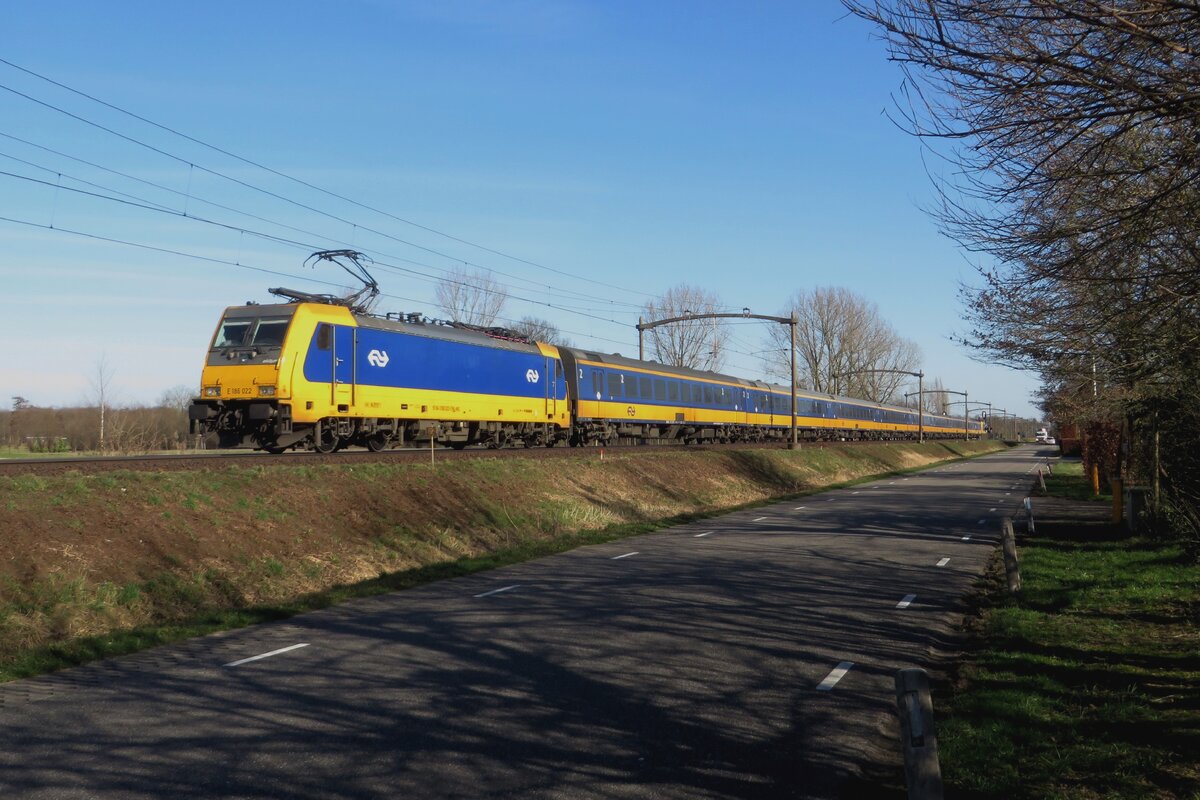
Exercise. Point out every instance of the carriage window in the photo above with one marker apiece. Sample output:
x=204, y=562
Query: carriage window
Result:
x=708, y=395
x=644, y=388
x=672, y=391
x=660, y=390
x=614, y=384
x=597, y=383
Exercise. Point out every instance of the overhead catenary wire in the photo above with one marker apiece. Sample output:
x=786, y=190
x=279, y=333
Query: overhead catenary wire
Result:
x=263, y=270
x=218, y=174
x=320, y=236
x=324, y=237
x=144, y=204
x=192, y=166
x=286, y=176
x=240, y=265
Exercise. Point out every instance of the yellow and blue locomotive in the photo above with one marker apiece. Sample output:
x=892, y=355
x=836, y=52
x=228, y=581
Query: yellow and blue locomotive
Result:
x=323, y=376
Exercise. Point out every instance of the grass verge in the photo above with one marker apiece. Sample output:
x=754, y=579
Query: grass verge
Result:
x=1088, y=684
x=81, y=650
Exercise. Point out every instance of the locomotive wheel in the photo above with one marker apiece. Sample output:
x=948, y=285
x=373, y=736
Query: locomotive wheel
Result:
x=326, y=441
x=377, y=442
x=274, y=449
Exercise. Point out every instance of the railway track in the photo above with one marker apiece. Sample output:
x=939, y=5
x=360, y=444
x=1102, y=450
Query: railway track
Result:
x=221, y=460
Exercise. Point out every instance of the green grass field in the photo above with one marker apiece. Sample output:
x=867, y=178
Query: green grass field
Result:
x=1088, y=684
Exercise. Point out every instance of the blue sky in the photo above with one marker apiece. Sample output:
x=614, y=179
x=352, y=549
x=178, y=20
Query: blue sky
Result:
x=628, y=147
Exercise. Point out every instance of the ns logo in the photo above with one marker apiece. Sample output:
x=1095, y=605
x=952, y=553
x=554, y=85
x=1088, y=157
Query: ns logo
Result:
x=532, y=375
x=378, y=358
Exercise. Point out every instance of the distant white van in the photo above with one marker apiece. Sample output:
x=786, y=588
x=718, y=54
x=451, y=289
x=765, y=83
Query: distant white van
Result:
x=1042, y=435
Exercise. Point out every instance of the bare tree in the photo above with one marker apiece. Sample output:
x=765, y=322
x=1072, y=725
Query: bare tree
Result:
x=697, y=344
x=1073, y=131
x=540, y=330
x=177, y=397
x=101, y=383
x=473, y=297
x=1078, y=172
x=840, y=337
x=936, y=400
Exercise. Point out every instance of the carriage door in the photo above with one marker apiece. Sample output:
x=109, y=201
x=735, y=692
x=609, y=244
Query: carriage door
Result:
x=343, y=366
x=553, y=373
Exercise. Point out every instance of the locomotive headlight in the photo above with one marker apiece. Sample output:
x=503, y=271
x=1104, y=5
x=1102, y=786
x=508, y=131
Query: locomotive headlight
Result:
x=212, y=391
x=266, y=391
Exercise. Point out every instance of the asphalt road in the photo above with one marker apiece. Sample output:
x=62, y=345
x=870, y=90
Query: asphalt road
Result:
x=746, y=656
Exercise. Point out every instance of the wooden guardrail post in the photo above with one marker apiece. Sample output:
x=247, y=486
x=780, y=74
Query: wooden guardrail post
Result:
x=1042, y=481
x=1012, y=566
x=1029, y=515
x=921, y=767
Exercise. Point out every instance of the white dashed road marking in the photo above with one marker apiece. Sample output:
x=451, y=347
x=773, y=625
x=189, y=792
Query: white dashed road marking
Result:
x=699, y=535
x=626, y=555
x=907, y=601
x=967, y=538
x=266, y=655
x=831, y=680
x=758, y=519
x=943, y=562
x=498, y=591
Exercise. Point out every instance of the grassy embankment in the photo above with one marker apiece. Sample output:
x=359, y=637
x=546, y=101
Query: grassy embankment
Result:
x=107, y=563
x=1088, y=684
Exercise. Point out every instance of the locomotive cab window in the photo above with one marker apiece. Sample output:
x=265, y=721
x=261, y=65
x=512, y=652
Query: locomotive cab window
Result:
x=270, y=331
x=232, y=332
x=323, y=336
